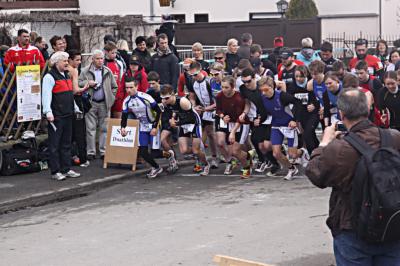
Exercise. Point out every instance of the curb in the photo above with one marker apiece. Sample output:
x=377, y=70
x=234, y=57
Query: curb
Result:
x=75, y=191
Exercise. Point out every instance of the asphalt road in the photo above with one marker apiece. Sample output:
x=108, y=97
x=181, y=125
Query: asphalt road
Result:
x=175, y=220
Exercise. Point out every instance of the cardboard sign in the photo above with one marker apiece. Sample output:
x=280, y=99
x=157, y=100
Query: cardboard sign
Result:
x=29, y=100
x=119, y=149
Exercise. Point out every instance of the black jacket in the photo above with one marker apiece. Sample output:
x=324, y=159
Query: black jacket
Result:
x=232, y=60
x=167, y=66
x=144, y=59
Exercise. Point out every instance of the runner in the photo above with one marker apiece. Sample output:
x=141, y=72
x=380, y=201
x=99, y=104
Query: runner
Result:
x=283, y=123
x=189, y=122
x=139, y=105
x=286, y=69
x=389, y=100
x=229, y=130
x=334, y=87
x=317, y=85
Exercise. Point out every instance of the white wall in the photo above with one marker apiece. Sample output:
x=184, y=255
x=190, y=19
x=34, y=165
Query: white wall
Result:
x=391, y=17
x=349, y=26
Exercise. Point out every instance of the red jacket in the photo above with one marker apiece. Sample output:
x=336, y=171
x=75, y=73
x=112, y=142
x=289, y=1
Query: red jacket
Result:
x=374, y=64
x=281, y=67
x=121, y=93
x=28, y=55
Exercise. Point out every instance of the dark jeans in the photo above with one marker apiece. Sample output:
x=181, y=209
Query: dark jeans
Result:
x=309, y=124
x=79, y=137
x=352, y=251
x=60, y=142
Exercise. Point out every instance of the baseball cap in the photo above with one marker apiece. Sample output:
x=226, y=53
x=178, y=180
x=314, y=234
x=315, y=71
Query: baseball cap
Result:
x=134, y=60
x=278, y=41
x=285, y=53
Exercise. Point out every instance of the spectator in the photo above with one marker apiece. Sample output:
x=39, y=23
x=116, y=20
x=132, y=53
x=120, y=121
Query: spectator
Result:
x=288, y=66
x=151, y=43
x=70, y=43
x=278, y=45
x=244, y=49
x=41, y=44
x=307, y=53
x=102, y=89
x=58, y=44
x=167, y=27
x=394, y=58
x=382, y=52
x=340, y=70
x=333, y=164
x=23, y=53
x=142, y=53
x=109, y=38
x=326, y=55
x=232, y=58
x=136, y=71
x=375, y=66
x=165, y=63
x=256, y=52
x=389, y=100
x=123, y=50
x=220, y=57
x=117, y=67
x=197, y=51
x=59, y=109
x=32, y=37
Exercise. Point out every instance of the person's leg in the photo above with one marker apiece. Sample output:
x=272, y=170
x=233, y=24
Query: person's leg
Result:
x=103, y=115
x=91, y=127
x=310, y=137
x=66, y=143
x=349, y=251
x=54, y=146
x=211, y=139
x=389, y=254
x=79, y=138
x=196, y=149
x=255, y=140
x=223, y=148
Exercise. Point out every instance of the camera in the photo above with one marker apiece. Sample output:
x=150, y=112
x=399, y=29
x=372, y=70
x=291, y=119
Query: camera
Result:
x=340, y=127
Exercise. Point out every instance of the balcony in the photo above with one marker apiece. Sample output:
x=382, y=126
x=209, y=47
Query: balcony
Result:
x=49, y=4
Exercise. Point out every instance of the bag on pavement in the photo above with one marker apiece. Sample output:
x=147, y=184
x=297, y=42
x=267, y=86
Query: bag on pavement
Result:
x=21, y=158
x=376, y=190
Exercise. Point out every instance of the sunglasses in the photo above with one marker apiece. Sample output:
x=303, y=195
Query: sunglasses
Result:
x=219, y=58
x=214, y=74
x=165, y=98
x=246, y=81
x=194, y=74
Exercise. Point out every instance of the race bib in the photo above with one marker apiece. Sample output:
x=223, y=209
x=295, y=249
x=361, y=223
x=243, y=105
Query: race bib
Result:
x=222, y=123
x=268, y=120
x=187, y=128
x=208, y=116
x=145, y=127
x=303, y=97
x=288, y=132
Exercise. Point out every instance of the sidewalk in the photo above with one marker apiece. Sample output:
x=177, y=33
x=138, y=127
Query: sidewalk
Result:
x=22, y=191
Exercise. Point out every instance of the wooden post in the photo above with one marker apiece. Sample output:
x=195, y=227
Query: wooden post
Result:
x=230, y=261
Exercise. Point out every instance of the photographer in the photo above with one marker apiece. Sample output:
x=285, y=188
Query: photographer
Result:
x=333, y=164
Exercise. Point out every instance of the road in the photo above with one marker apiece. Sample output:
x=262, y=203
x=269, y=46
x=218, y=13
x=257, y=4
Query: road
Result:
x=175, y=220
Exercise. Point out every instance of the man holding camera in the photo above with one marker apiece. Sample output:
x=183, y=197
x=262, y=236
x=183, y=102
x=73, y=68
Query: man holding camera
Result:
x=334, y=164
x=59, y=108
x=102, y=90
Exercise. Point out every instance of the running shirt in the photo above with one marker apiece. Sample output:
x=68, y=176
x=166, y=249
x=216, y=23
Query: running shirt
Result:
x=330, y=105
x=204, y=97
x=278, y=107
x=256, y=104
x=305, y=97
x=319, y=90
x=374, y=64
x=231, y=106
x=288, y=75
x=215, y=87
x=183, y=117
x=143, y=108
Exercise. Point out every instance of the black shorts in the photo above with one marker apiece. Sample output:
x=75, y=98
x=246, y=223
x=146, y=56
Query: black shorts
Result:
x=261, y=133
x=205, y=123
x=240, y=136
x=194, y=133
x=217, y=125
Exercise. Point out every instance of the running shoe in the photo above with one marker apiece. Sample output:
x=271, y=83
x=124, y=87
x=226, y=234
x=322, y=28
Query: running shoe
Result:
x=58, y=176
x=228, y=169
x=246, y=173
x=275, y=170
x=86, y=164
x=214, y=163
x=305, y=157
x=154, y=172
x=291, y=173
x=72, y=173
x=206, y=170
x=262, y=166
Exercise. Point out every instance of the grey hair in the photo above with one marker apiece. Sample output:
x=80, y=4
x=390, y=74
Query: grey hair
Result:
x=353, y=103
x=58, y=56
x=98, y=52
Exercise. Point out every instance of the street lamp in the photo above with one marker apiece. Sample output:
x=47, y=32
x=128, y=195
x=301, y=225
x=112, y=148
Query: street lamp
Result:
x=282, y=6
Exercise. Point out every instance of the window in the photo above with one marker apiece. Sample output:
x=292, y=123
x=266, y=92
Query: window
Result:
x=200, y=17
x=181, y=18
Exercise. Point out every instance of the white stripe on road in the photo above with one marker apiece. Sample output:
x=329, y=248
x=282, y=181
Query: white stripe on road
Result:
x=190, y=175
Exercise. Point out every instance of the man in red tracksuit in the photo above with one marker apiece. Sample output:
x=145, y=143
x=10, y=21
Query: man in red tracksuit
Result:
x=23, y=53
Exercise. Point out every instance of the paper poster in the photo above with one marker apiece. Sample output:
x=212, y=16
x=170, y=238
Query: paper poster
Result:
x=117, y=140
x=28, y=93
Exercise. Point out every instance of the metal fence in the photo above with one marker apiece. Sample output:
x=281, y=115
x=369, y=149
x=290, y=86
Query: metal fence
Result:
x=343, y=43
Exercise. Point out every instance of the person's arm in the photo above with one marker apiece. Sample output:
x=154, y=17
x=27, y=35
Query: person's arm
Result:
x=144, y=83
x=125, y=113
x=287, y=99
x=47, y=93
x=376, y=87
x=218, y=102
x=40, y=59
x=181, y=85
x=327, y=108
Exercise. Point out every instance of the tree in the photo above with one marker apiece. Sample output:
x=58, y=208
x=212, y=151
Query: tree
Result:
x=302, y=9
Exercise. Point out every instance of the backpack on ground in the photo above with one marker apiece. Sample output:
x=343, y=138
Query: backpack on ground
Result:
x=21, y=158
x=375, y=195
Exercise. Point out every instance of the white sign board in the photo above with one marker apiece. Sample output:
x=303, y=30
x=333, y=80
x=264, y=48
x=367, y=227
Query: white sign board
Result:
x=117, y=140
x=28, y=93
